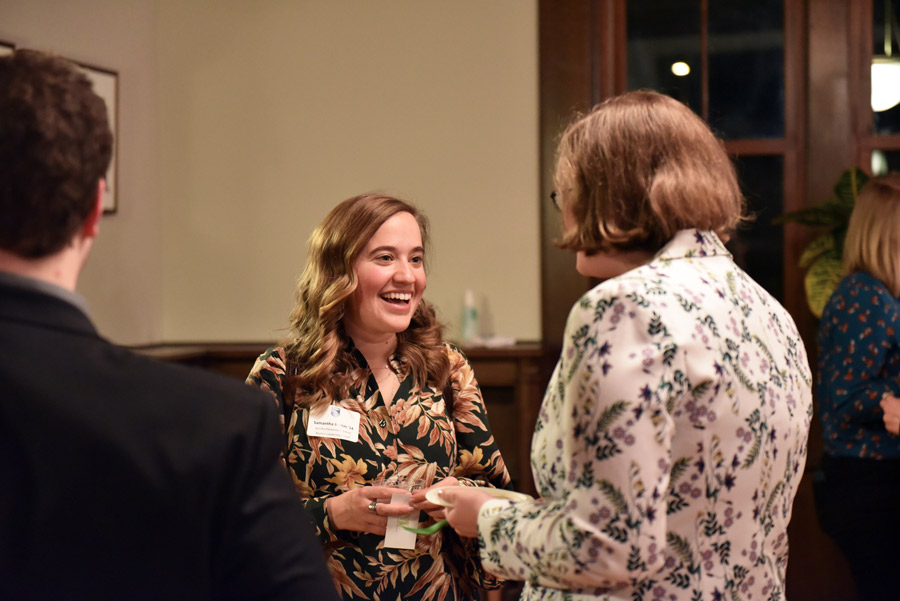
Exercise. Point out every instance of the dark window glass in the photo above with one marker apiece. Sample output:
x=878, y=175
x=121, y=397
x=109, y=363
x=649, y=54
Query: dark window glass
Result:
x=661, y=34
x=746, y=98
x=746, y=68
x=758, y=247
x=886, y=66
x=884, y=33
x=888, y=122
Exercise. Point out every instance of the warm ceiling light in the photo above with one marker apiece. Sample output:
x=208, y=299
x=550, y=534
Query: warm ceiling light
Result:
x=885, y=83
x=886, y=69
x=879, y=163
x=681, y=68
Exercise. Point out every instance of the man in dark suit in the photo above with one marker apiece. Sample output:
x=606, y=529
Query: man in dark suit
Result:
x=120, y=477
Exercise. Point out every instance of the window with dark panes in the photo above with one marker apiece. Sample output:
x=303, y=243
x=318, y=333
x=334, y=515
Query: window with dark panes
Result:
x=726, y=60
x=661, y=35
x=746, y=68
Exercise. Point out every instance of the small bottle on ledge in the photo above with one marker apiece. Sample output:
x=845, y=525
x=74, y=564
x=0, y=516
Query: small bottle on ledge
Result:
x=469, y=328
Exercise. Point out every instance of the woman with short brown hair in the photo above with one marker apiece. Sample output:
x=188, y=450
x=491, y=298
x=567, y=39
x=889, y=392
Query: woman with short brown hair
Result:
x=672, y=437
x=638, y=169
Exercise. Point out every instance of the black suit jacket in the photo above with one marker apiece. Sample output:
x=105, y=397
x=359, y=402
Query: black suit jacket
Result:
x=122, y=477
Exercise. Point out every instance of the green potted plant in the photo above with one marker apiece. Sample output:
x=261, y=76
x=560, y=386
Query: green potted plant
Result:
x=822, y=257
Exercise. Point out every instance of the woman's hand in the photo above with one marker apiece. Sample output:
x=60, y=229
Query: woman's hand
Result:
x=891, y=406
x=466, y=503
x=353, y=510
x=419, y=501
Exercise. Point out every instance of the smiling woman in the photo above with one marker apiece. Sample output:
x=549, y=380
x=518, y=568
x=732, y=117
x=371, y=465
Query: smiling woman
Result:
x=390, y=273
x=372, y=394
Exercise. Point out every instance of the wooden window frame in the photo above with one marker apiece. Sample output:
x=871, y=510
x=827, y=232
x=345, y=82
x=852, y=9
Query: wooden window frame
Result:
x=583, y=59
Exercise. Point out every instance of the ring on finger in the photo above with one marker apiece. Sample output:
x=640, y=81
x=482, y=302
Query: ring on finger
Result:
x=373, y=507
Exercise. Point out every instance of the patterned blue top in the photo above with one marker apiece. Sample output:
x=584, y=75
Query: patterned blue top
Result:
x=859, y=361
x=670, y=443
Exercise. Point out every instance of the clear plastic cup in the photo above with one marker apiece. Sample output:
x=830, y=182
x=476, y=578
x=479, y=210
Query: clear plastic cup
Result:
x=410, y=484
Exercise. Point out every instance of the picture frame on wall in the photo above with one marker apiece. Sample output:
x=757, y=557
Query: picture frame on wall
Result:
x=106, y=85
x=6, y=47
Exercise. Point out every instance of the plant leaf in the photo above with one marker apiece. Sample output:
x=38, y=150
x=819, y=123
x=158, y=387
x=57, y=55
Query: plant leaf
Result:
x=847, y=187
x=828, y=214
x=821, y=280
x=834, y=211
x=820, y=245
x=823, y=255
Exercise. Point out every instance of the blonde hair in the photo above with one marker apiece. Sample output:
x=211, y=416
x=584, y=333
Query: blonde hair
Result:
x=872, y=243
x=319, y=363
x=638, y=168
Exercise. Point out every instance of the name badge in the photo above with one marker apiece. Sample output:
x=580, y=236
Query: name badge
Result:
x=397, y=537
x=334, y=421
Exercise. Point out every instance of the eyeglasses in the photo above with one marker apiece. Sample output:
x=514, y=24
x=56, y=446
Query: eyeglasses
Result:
x=554, y=198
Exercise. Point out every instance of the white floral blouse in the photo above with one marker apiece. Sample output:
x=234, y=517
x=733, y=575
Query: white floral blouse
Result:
x=670, y=442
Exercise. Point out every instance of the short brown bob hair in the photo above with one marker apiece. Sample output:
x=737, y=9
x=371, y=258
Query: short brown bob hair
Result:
x=638, y=168
x=872, y=243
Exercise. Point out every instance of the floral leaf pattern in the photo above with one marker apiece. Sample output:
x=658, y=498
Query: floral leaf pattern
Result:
x=670, y=443
x=413, y=437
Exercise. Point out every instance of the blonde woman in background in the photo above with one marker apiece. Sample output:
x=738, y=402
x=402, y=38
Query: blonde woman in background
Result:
x=672, y=437
x=365, y=346
x=858, y=384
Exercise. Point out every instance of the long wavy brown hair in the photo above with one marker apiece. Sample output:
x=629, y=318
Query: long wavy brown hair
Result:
x=319, y=362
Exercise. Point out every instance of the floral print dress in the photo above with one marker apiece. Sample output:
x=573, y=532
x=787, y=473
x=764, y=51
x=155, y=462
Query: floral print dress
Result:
x=413, y=438
x=859, y=361
x=670, y=442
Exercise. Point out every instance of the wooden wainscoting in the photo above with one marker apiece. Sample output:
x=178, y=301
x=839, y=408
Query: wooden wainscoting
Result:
x=230, y=359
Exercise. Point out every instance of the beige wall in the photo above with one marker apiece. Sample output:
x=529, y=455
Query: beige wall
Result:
x=123, y=278
x=243, y=123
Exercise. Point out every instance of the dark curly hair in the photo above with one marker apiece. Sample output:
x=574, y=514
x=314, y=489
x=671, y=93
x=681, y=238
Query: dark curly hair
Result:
x=55, y=146
x=317, y=347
